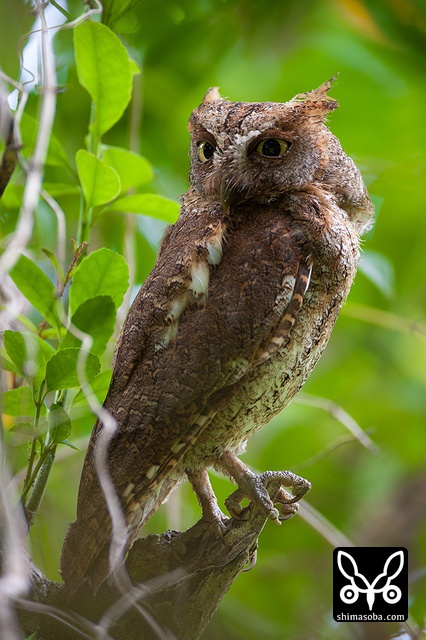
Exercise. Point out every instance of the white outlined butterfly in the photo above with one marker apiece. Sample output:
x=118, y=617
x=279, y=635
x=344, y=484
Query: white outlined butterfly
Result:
x=350, y=592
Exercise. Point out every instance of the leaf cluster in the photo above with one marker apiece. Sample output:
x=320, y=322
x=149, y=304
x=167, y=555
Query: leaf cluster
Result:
x=51, y=360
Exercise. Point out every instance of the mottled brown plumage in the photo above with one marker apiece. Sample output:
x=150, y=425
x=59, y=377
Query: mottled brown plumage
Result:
x=234, y=316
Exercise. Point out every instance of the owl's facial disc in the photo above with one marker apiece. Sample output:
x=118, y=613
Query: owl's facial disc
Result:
x=256, y=156
x=229, y=164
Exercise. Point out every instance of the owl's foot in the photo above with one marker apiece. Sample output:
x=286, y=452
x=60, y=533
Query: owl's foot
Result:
x=204, y=491
x=255, y=488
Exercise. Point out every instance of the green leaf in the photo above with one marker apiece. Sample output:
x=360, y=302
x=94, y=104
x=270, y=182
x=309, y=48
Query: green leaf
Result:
x=82, y=415
x=54, y=260
x=99, y=182
x=56, y=155
x=59, y=424
x=379, y=270
x=114, y=11
x=25, y=429
x=7, y=364
x=29, y=353
x=147, y=204
x=70, y=445
x=135, y=67
x=133, y=169
x=105, y=70
x=18, y=402
x=62, y=370
x=56, y=189
x=99, y=386
x=34, y=284
x=101, y=273
x=95, y=316
x=13, y=195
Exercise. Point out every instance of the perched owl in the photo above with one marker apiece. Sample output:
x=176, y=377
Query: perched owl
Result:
x=224, y=332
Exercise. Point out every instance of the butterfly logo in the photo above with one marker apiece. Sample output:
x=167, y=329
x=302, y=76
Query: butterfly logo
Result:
x=359, y=583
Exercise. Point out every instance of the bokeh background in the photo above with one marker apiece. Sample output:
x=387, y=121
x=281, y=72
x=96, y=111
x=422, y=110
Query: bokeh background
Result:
x=375, y=365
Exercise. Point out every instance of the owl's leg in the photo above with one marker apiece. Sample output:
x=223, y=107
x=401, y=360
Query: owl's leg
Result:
x=255, y=488
x=204, y=491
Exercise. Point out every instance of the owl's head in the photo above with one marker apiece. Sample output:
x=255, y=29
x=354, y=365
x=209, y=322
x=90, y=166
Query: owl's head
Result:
x=242, y=151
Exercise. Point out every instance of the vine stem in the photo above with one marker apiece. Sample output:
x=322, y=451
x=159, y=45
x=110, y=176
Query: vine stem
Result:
x=29, y=473
x=27, y=481
x=36, y=166
x=41, y=475
x=36, y=481
x=85, y=215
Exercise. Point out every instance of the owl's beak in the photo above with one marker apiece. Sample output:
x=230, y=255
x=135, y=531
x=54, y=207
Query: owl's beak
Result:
x=231, y=194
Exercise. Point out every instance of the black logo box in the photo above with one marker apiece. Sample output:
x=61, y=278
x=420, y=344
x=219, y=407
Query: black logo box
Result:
x=371, y=582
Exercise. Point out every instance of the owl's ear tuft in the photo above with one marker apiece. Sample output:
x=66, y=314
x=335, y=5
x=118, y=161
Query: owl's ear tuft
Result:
x=317, y=100
x=211, y=95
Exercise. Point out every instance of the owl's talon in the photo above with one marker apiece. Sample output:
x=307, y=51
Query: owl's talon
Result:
x=255, y=488
x=218, y=523
x=288, y=508
x=283, y=497
x=232, y=503
x=234, y=512
x=287, y=511
x=236, y=516
x=288, y=479
x=252, y=561
x=288, y=516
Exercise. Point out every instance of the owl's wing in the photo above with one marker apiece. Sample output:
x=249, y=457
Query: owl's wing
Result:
x=294, y=302
x=221, y=299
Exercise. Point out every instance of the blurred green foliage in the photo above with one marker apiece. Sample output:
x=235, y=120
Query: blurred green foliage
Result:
x=374, y=367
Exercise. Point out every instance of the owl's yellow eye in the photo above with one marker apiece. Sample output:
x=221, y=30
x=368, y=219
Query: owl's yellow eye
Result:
x=272, y=147
x=205, y=151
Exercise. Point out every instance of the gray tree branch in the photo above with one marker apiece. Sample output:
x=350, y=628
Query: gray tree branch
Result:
x=180, y=580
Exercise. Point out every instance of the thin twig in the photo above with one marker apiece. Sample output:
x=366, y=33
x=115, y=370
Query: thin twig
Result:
x=341, y=415
x=324, y=453
x=134, y=595
x=14, y=579
x=385, y=319
x=33, y=185
x=63, y=453
x=84, y=627
x=323, y=526
x=62, y=26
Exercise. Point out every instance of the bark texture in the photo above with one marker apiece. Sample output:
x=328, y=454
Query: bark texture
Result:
x=180, y=578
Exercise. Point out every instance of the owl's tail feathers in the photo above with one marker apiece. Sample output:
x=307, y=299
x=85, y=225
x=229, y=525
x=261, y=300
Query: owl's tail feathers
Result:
x=85, y=555
x=86, y=549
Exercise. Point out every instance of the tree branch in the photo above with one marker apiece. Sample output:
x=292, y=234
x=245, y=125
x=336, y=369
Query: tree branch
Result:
x=180, y=581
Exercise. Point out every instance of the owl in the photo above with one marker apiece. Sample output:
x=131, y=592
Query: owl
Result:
x=225, y=330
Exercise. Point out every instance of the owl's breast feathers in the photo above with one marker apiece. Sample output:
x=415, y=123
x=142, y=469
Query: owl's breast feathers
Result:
x=220, y=337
